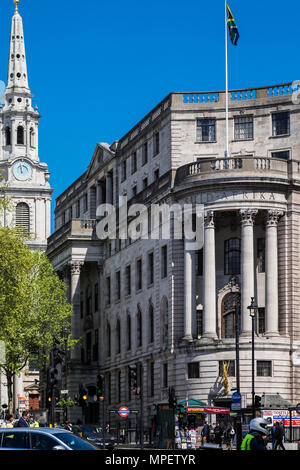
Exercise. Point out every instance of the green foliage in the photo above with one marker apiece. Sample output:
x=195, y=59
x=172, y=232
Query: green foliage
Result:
x=33, y=304
x=68, y=403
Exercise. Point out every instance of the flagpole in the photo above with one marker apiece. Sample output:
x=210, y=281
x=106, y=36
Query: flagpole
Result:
x=226, y=74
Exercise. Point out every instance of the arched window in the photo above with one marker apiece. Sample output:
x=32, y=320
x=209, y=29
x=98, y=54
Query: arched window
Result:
x=7, y=136
x=230, y=304
x=20, y=135
x=128, y=345
x=31, y=137
x=23, y=216
x=118, y=337
x=151, y=324
x=139, y=329
x=232, y=258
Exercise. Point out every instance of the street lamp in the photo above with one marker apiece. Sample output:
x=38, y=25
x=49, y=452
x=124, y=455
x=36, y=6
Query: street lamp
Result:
x=252, y=312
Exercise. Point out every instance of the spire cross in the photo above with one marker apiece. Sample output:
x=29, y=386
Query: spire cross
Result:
x=16, y=2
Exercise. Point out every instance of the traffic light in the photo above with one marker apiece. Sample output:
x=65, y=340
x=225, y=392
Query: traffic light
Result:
x=133, y=376
x=53, y=375
x=257, y=401
x=100, y=387
x=48, y=399
x=172, y=398
x=83, y=396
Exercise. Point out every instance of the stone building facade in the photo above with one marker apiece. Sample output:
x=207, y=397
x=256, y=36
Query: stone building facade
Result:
x=25, y=177
x=173, y=310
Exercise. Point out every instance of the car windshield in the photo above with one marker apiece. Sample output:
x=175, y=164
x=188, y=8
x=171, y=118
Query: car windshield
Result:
x=74, y=442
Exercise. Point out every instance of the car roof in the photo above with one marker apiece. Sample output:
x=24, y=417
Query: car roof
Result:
x=45, y=430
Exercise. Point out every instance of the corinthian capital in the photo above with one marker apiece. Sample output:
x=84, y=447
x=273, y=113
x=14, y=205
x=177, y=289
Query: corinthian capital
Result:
x=272, y=217
x=248, y=216
x=75, y=266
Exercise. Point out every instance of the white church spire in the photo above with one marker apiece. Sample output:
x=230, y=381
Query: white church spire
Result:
x=17, y=79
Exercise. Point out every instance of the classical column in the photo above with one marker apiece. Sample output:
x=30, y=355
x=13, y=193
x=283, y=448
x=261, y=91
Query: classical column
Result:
x=247, y=267
x=75, y=267
x=189, y=291
x=209, y=259
x=271, y=263
x=109, y=188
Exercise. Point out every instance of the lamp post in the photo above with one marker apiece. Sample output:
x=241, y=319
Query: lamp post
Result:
x=238, y=387
x=252, y=311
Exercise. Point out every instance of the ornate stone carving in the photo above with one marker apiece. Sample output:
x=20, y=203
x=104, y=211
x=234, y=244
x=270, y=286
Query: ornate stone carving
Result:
x=248, y=216
x=272, y=217
x=209, y=221
x=76, y=266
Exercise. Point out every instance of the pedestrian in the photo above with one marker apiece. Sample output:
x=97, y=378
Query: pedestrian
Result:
x=229, y=435
x=218, y=434
x=9, y=421
x=279, y=436
x=254, y=440
x=205, y=433
x=68, y=426
x=23, y=422
x=273, y=436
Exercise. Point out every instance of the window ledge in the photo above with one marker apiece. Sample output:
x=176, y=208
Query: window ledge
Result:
x=279, y=136
x=206, y=142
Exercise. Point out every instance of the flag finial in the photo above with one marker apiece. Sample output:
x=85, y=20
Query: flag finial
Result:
x=16, y=2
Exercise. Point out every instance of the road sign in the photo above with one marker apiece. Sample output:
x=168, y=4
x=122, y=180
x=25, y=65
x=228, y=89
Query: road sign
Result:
x=124, y=412
x=235, y=406
x=236, y=397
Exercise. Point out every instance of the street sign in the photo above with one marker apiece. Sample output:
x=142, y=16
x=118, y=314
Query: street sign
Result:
x=64, y=392
x=124, y=412
x=235, y=406
x=236, y=397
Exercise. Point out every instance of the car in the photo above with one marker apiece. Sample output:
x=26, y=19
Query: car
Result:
x=42, y=439
x=94, y=435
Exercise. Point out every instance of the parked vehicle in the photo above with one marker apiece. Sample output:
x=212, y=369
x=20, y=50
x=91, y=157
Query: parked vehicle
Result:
x=42, y=439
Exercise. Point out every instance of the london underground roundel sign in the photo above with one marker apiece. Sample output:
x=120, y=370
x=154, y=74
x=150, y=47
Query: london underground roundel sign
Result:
x=123, y=411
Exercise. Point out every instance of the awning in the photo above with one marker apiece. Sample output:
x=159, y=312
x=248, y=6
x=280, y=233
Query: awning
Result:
x=208, y=409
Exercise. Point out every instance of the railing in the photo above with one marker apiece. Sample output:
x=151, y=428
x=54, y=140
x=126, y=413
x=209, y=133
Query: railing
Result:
x=212, y=167
x=73, y=228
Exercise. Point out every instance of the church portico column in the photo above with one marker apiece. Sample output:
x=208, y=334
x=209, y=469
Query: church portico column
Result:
x=189, y=291
x=247, y=267
x=209, y=258
x=75, y=267
x=272, y=220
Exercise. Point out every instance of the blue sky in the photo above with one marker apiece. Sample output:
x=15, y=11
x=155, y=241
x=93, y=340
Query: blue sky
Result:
x=96, y=68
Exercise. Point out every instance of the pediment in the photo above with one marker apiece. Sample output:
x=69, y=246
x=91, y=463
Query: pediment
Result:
x=102, y=155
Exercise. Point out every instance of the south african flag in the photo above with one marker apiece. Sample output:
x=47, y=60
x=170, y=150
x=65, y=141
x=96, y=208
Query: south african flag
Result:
x=233, y=31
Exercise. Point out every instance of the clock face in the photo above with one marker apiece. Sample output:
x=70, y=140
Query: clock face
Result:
x=22, y=171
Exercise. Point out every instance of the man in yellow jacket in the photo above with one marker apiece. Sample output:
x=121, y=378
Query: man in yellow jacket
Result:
x=255, y=439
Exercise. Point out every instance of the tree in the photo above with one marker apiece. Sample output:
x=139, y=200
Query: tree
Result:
x=33, y=305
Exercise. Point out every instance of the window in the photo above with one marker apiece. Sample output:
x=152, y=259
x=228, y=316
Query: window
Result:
x=134, y=191
x=129, y=384
x=232, y=262
x=281, y=123
x=150, y=268
x=133, y=163
x=261, y=255
x=151, y=388
x=285, y=154
x=164, y=261
x=20, y=135
x=81, y=305
x=118, y=337
x=119, y=386
x=193, y=370
x=156, y=144
x=199, y=262
x=14, y=440
x=108, y=291
x=7, y=136
x=118, y=285
x=31, y=138
x=88, y=301
x=139, y=275
x=108, y=340
x=139, y=330
x=96, y=297
x=145, y=183
x=264, y=368
x=145, y=153
x=243, y=128
x=85, y=202
x=88, y=347
x=151, y=324
x=78, y=209
x=124, y=170
x=231, y=368
x=229, y=305
x=156, y=174
x=165, y=375
x=128, y=332
x=23, y=216
x=261, y=321
x=128, y=280
x=96, y=346
x=206, y=130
